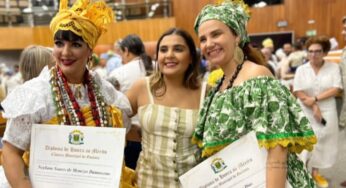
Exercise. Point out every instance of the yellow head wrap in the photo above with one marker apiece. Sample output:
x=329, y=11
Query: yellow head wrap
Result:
x=85, y=19
x=268, y=43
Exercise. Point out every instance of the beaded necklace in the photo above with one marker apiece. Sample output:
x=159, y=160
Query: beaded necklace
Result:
x=217, y=88
x=67, y=107
x=234, y=76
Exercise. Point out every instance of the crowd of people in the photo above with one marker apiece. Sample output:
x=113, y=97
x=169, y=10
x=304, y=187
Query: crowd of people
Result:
x=187, y=103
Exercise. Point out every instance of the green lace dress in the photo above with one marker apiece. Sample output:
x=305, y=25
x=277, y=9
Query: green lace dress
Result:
x=262, y=105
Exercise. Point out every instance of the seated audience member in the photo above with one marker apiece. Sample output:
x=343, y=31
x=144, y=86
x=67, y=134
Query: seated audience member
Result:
x=100, y=66
x=290, y=65
x=114, y=59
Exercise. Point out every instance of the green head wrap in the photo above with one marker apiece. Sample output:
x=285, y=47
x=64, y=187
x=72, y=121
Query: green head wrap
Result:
x=234, y=14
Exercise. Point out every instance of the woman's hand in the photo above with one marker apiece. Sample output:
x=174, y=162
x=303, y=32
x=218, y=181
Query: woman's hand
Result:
x=309, y=101
x=317, y=112
x=305, y=99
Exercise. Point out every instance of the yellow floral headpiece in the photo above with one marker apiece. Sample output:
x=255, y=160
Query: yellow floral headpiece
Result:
x=86, y=19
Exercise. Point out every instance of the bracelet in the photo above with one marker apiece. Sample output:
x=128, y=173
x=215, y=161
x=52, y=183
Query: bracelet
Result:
x=316, y=99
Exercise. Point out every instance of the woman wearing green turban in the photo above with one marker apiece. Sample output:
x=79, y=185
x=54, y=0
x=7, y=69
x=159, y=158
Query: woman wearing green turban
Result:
x=248, y=98
x=67, y=94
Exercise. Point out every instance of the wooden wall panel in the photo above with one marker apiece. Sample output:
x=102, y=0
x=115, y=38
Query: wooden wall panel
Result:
x=265, y=19
x=338, y=10
x=148, y=30
x=42, y=35
x=15, y=38
x=326, y=13
x=185, y=12
x=299, y=13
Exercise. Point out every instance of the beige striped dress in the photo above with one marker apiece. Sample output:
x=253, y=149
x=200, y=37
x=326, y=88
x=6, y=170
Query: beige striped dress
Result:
x=167, y=151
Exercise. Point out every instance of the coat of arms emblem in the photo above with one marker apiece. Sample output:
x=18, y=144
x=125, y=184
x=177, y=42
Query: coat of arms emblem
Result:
x=76, y=137
x=218, y=165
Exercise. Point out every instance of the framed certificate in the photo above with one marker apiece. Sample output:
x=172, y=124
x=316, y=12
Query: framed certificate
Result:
x=240, y=164
x=76, y=156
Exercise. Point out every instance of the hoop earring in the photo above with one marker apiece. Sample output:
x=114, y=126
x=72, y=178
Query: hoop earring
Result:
x=90, y=63
x=238, y=55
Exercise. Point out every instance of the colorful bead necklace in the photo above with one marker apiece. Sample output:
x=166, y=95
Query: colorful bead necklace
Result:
x=67, y=107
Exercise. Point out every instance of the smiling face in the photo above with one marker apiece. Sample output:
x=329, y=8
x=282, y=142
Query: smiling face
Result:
x=217, y=42
x=315, y=54
x=71, y=56
x=174, y=55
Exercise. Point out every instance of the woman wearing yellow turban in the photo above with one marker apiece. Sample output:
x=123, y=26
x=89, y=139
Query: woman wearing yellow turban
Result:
x=67, y=94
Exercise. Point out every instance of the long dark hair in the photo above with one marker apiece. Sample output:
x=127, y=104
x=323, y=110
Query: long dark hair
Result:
x=192, y=74
x=135, y=46
x=253, y=54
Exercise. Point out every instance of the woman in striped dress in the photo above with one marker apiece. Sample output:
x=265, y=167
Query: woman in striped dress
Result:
x=167, y=104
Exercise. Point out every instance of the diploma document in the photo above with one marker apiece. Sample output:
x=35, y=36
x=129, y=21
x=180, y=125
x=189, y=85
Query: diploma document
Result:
x=76, y=156
x=241, y=164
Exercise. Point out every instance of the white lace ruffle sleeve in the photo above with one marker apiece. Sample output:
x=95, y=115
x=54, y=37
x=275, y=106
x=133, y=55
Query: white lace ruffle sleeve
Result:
x=32, y=103
x=27, y=104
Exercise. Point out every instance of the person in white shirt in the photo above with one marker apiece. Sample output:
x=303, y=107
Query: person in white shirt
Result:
x=316, y=83
x=136, y=64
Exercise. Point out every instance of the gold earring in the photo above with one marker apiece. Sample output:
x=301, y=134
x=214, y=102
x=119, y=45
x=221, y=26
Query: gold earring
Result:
x=90, y=63
x=238, y=55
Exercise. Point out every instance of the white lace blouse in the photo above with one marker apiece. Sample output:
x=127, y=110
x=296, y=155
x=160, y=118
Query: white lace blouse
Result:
x=33, y=103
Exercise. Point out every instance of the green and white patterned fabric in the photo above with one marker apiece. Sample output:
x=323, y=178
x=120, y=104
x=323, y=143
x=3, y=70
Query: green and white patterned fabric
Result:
x=232, y=13
x=262, y=105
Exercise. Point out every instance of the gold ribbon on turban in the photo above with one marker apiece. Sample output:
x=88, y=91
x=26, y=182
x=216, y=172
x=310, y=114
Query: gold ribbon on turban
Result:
x=86, y=19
